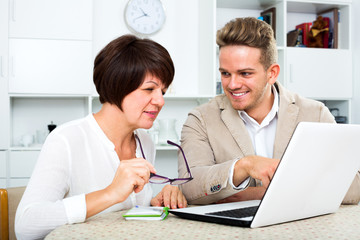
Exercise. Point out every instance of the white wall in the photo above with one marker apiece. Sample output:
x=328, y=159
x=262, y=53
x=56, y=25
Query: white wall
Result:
x=356, y=62
x=179, y=36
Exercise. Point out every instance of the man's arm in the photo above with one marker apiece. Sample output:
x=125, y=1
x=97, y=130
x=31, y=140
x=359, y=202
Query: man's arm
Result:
x=210, y=178
x=210, y=183
x=250, y=193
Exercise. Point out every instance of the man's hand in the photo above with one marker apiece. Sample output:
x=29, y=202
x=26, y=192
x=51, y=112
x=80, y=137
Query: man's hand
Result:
x=257, y=167
x=251, y=193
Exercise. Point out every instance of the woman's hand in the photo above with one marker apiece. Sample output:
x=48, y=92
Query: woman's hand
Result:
x=131, y=175
x=170, y=196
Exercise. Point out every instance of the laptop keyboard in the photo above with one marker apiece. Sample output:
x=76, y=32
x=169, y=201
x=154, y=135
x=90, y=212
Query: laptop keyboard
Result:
x=236, y=213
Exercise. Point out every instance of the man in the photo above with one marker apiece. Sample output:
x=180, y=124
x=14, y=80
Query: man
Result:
x=233, y=143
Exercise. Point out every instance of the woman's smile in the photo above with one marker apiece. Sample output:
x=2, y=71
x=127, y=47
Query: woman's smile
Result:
x=151, y=114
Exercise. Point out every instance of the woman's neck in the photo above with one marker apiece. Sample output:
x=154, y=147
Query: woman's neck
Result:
x=111, y=120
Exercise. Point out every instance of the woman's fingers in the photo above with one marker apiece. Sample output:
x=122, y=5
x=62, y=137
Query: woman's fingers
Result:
x=173, y=197
x=131, y=175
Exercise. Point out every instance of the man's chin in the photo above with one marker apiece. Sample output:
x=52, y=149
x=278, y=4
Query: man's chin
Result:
x=238, y=107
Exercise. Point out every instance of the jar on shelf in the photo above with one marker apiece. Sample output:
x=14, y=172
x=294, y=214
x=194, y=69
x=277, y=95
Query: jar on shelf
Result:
x=167, y=131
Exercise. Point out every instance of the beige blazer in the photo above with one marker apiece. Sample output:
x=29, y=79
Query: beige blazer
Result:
x=214, y=136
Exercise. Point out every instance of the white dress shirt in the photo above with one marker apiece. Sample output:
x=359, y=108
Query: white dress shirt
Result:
x=77, y=158
x=262, y=136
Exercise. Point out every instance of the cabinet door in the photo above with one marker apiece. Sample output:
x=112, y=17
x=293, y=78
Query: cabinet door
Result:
x=50, y=66
x=2, y=183
x=51, y=19
x=2, y=164
x=22, y=163
x=4, y=100
x=320, y=73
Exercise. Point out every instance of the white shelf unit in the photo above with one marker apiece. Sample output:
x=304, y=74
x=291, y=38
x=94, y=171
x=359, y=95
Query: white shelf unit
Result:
x=321, y=74
x=45, y=67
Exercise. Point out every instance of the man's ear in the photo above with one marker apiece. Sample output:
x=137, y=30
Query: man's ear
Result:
x=273, y=73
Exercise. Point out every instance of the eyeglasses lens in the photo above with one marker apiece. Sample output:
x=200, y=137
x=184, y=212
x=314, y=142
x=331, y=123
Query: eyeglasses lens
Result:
x=158, y=179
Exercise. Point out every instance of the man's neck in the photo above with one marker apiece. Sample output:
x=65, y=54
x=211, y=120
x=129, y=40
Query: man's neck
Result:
x=259, y=113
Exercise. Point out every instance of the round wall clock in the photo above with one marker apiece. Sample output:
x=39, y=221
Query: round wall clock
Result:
x=144, y=17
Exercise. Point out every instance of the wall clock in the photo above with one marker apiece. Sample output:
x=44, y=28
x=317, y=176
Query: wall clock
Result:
x=144, y=17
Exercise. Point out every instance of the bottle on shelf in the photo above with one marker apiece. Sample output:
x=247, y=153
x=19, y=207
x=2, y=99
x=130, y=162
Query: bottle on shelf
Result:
x=51, y=126
x=299, y=40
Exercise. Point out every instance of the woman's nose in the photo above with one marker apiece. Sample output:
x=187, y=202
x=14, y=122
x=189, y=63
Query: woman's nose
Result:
x=158, y=99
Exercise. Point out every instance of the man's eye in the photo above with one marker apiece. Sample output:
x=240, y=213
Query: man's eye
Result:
x=225, y=74
x=245, y=74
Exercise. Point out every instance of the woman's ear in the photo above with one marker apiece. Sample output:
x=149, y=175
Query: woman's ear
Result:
x=273, y=73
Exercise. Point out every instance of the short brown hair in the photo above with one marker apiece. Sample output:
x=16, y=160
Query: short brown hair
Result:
x=250, y=32
x=122, y=65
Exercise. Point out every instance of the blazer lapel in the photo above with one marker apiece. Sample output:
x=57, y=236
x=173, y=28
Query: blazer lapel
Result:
x=287, y=121
x=236, y=127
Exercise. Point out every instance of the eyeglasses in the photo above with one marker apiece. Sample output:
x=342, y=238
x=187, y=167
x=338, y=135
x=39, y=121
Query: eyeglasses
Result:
x=158, y=179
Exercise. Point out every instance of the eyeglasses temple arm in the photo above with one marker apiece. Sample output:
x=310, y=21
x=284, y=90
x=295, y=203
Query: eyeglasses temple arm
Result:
x=142, y=152
x=187, y=166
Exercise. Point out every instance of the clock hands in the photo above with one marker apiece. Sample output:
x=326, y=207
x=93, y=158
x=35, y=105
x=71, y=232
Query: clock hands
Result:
x=144, y=15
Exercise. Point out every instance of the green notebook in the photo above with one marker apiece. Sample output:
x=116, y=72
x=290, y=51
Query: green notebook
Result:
x=147, y=213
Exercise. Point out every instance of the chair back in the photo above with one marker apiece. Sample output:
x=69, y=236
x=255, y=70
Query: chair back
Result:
x=9, y=201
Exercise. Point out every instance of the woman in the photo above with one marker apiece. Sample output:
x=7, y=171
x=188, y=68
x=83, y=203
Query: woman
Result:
x=95, y=164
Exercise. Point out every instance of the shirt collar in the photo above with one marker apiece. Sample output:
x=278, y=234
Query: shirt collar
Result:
x=269, y=117
x=102, y=136
x=99, y=132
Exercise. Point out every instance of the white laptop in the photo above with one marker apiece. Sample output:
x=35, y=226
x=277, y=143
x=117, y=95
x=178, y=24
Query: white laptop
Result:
x=314, y=174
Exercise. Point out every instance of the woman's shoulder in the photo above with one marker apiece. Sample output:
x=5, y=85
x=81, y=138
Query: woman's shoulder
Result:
x=71, y=129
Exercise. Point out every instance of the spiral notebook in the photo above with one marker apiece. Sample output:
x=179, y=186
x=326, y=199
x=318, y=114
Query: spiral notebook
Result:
x=146, y=213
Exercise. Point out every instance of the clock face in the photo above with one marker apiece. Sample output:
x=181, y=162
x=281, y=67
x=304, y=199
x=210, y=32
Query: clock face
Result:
x=144, y=16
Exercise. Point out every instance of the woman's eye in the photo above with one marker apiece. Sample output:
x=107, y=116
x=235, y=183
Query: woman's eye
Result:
x=149, y=89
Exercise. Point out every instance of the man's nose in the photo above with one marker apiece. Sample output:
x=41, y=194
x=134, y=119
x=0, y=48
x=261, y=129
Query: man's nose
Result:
x=235, y=82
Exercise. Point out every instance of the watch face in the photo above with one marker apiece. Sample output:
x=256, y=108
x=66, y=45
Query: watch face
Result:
x=144, y=16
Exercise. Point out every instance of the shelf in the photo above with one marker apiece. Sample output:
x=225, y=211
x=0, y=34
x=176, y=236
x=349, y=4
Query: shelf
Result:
x=162, y=148
x=17, y=149
x=20, y=149
x=245, y=4
x=33, y=95
x=306, y=7
x=177, y=97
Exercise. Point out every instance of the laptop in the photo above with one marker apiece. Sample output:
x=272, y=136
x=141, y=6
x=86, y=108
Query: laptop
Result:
x=312, y=178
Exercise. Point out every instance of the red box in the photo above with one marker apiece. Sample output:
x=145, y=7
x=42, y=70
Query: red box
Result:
x=326, y=34
x=305, y=27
